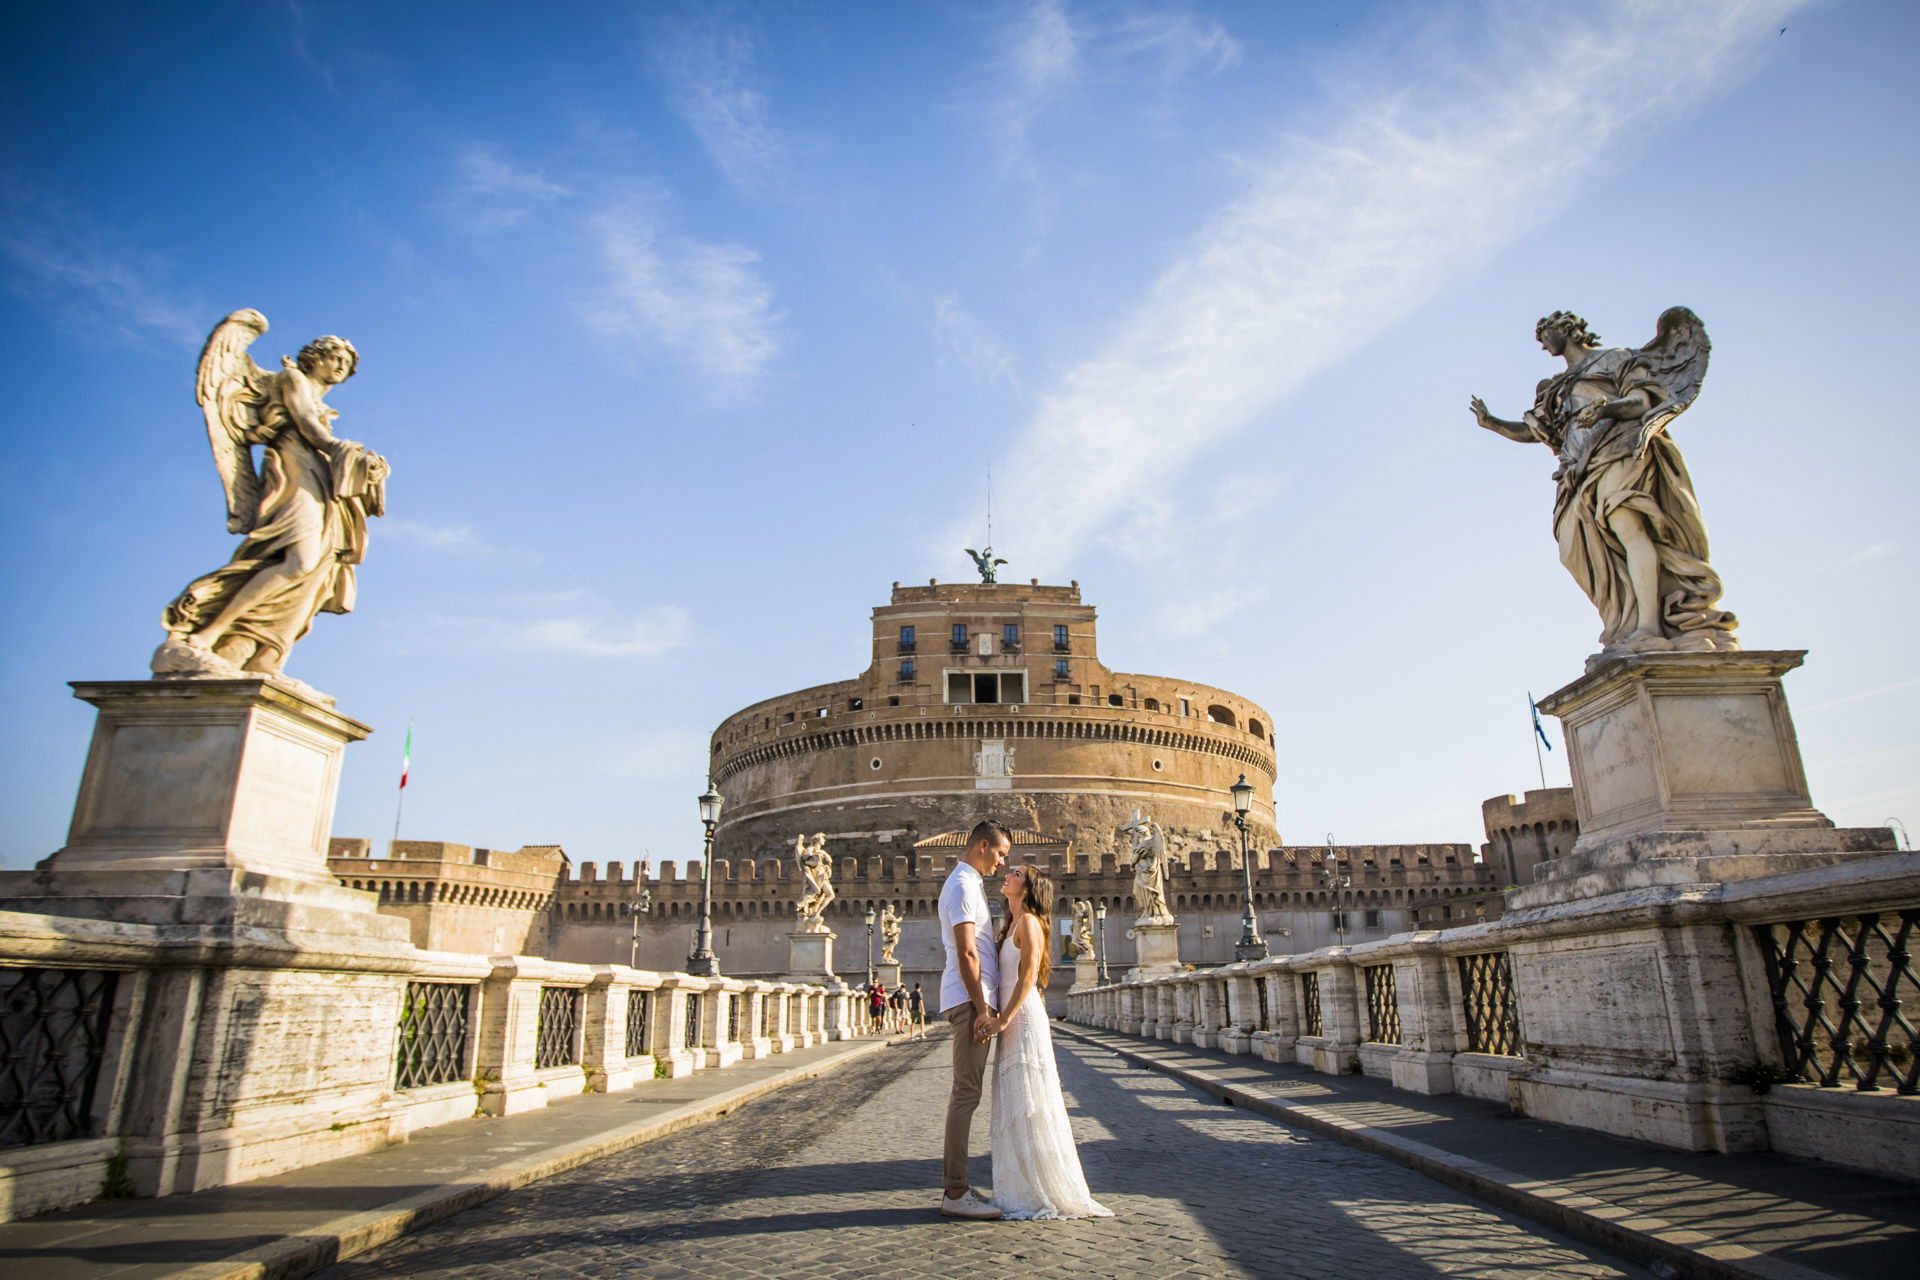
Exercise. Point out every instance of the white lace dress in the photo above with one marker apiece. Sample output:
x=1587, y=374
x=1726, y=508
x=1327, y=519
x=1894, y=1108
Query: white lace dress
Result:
x=1036, y=1168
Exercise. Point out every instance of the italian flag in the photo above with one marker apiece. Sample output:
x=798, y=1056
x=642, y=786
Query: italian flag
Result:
x=406, y=756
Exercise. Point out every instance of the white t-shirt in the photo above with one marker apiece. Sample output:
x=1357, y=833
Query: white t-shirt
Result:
x=963, y=897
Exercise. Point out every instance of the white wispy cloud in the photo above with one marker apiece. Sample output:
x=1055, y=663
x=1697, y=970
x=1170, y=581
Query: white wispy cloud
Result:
x=1050, y=49
x=1042, y=61
x=703, y=305
x=969, y=342
x=575, y=623
x=300, y=31
x=1862, y=696
x=90, y=278
x=1339, y=240
x=708, y=68
x=489, y=193
x=459, y=538
x=1872, y=551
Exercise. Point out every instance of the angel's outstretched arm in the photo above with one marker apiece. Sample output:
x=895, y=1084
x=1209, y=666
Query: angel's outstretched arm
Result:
x=1500, y=426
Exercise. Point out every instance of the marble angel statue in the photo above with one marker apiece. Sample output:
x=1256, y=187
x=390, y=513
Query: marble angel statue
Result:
x=1624, y=512
x=302, y=514
x=816, y=866
x=1149, y=870
x=889, y=934
x=1083, y=928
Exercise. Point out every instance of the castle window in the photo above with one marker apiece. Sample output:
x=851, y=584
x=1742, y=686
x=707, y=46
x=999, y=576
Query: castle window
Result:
x=893, y=701
x=1073, y=699
x=874, y=763
x=1010, y=636
x=906, y=640
x=1257, y=729
x=1152, y=704
x=1373, y=919
x=1060, y=638
x=906, y=673
x=1059, y=668
x=987, y=686
x=959, y=635
x=1186, y=706
x=856, y=704
x=1221, y=715
x=1115, y=700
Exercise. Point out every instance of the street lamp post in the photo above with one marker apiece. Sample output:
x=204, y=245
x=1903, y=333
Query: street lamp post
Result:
x=870, y=920
x=703, y=963
x=1335, y=881
x=1251, y=945
x=1100, y=951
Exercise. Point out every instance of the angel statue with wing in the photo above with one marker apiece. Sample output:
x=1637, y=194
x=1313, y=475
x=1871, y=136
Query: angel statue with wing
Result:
x=987, y=564
x=1624, y=512
x=302, y=514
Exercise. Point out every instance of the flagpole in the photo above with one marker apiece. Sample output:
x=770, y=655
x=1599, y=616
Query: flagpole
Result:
x=406, y=763
x=1539, y=762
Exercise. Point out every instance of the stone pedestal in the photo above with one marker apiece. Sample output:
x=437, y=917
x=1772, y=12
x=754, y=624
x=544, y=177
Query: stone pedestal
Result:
x=1086, y=973
x=1156, y=948
x=191, y=774
x=887, y=973
x=810, y=956
x=206, y=805
x=1686, y=769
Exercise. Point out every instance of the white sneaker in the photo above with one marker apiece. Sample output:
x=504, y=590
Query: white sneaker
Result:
x=968, y=1204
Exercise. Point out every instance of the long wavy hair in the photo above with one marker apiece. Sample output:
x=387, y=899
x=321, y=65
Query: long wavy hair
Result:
x=1038, y=902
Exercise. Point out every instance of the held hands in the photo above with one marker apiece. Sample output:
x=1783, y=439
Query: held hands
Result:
x=986, y=1028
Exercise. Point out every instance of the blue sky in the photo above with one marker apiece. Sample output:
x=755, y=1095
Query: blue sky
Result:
x=689, y=328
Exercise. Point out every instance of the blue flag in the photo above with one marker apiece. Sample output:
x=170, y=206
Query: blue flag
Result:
x=1536, y=723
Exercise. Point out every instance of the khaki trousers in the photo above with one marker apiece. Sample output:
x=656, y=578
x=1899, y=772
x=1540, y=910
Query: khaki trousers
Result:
x=969, y=1070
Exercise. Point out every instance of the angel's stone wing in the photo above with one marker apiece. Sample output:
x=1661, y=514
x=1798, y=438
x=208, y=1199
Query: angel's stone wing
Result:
x=233, y=393
x=1677, y=358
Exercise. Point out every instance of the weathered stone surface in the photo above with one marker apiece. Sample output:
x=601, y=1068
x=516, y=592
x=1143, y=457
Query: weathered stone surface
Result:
x=238, y=774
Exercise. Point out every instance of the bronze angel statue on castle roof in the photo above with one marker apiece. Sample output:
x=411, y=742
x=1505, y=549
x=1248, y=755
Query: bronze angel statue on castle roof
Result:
x=1624, y=511
x=302, y=514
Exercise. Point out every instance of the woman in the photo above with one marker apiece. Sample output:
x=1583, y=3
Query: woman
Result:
x=877, y=1006
x=1036, y=1170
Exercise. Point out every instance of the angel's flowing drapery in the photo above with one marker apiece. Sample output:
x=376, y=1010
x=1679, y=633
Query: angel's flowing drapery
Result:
x=1036, y=1167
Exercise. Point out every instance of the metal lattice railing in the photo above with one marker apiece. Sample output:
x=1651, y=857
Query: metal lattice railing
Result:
x=1839, y=986
x=693, y=1020
x=1383, y=1004
x=559, y=1021
x=733, y=1018
x=1486, y=991
x=53, y=1037
x=1260, y=993
x=767, y=1003
x=1310, y=1003
x=637, y=1023
x=432, y=1045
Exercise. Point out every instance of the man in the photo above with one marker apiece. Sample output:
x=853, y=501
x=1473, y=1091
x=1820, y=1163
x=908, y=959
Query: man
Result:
x=969, y=987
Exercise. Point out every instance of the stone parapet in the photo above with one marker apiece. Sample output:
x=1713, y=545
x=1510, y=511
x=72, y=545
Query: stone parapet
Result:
x=1666, y=1013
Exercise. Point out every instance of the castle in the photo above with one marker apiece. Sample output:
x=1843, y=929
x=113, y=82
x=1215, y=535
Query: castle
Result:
x=981, y=700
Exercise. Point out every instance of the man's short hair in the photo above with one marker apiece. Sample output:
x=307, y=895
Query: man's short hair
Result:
x=986, y=830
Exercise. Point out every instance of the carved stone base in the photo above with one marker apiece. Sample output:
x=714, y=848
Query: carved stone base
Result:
x=1156, y=948
x=1086, y=973
x=1686, y=769
x=887, y=973
x=810, y=957
x=190, y=775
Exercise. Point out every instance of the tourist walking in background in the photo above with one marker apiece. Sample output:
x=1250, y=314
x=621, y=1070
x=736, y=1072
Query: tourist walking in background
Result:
x=917, y=1012
x=968, y=984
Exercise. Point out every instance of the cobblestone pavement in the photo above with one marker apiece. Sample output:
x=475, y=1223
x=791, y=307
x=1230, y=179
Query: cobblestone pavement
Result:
x=837, y=1177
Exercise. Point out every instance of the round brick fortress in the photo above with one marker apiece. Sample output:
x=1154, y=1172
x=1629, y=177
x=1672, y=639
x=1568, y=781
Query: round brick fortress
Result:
x=988, y=699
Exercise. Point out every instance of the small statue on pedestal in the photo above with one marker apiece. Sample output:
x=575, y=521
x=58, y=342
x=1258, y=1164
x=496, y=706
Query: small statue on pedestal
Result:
x=816, y=865
x=1083, y=928
x=889, y=934
x=1149, y=870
